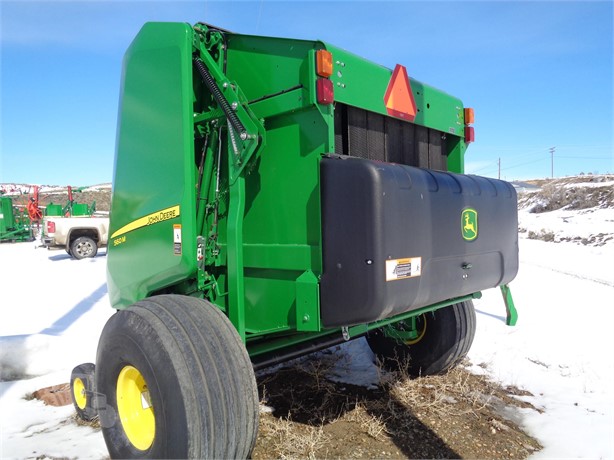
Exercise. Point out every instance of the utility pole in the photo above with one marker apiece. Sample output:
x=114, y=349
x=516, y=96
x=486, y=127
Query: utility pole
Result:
x=552, y=149
x=499, y=167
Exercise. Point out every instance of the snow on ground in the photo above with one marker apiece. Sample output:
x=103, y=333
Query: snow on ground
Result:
x=581, y=226
x=561, y=348
x=53, y=309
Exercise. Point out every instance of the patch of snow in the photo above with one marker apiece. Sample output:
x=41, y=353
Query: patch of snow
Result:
x=560, y=350
x=356, y=365
x=54, y=310
x=586, y=226
x=99, y=187
x=605, y=183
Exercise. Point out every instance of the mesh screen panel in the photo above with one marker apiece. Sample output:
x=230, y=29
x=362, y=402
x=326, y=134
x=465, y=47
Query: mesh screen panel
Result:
x=369, y=135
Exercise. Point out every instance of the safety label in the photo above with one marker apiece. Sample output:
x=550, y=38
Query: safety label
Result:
x=398, y=269
x=177, y=239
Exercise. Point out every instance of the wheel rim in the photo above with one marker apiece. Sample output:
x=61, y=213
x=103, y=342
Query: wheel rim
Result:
x=421, y=328
x=85, y=249
x=135, y=409
x=78, y=393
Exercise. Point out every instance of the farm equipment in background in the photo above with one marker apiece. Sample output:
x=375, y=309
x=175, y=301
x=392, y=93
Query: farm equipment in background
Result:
x=15, y=223
x=34, y=211
x=273, y=197
x=24, y=222
x=71, y=208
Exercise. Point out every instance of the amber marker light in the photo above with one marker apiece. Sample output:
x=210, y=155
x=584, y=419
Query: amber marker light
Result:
x=324, y=63
x=469, y=116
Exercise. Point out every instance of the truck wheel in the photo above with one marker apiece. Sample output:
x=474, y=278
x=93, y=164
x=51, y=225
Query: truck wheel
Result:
x=444, y=339
x=177, y=381
x=83, y=247
x=82, y=390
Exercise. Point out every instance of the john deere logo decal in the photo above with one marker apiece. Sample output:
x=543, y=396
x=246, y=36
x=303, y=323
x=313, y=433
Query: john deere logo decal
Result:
x=469, y=224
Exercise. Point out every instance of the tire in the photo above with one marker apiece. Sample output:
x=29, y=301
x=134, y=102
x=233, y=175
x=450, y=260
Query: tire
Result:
x=177, y=382
x=82, y=391
x=445, y=337
x=83, y=247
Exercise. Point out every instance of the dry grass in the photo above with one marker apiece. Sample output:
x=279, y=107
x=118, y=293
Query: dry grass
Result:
x=429, y=417
x=572, y=193
x=452, y=394
x=291, y=441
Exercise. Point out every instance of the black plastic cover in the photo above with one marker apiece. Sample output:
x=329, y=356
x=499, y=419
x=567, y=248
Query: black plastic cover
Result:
x=397, y=238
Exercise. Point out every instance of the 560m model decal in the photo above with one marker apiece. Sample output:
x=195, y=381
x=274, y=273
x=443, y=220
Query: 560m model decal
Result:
x=150, y=219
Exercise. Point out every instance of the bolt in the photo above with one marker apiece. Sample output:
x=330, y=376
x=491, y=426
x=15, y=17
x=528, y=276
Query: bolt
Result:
x=243, y=136
x=234, y=106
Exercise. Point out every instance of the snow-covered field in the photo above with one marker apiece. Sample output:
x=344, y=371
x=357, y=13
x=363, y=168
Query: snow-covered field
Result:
x=562, y=349
x=53, y=309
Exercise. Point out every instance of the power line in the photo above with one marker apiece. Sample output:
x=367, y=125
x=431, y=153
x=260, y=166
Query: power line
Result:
x=586, y=158
x=524, y=164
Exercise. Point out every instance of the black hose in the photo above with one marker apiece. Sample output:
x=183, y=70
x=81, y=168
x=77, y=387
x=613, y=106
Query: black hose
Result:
x=219, y=97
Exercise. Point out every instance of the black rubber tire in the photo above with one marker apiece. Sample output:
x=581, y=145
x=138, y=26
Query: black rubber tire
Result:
x=83, y=377
x=199, y=377
x=445, y=342
x=83, y=247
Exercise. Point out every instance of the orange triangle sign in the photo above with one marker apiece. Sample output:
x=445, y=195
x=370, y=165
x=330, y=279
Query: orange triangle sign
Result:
x=399, y=99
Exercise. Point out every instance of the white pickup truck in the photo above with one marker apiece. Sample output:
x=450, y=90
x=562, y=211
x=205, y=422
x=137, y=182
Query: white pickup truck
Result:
x=79, y=236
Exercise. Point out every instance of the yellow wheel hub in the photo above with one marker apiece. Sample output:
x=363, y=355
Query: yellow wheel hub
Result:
x=421, y=331
x=135, y=409
x=78, y=393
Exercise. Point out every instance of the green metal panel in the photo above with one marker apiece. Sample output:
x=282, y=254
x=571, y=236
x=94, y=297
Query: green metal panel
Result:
x=154, y=179
x=281, y=225
x=363, y=84
x=53, y=210
x=15, y=225
x=7, y=221
x=80, y=209
x=275, y=64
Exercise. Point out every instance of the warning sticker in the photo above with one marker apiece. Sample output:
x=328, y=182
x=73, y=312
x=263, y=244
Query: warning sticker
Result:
x=398, y=269
x=177, y=239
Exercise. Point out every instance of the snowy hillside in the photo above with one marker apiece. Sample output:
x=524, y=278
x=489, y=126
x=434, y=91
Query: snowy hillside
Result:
x=577, y=209
x=53, y=309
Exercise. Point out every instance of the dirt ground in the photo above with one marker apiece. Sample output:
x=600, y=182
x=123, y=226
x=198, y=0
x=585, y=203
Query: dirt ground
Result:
x=458, y=415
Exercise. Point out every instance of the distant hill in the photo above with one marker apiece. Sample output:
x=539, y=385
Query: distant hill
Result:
x=569, y=193
x=576, y=209
x=100, y=193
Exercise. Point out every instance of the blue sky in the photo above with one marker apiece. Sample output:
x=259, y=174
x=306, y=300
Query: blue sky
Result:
x=538, y=74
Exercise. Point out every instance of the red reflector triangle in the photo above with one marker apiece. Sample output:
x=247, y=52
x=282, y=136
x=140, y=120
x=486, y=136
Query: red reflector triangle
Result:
x=399, y=99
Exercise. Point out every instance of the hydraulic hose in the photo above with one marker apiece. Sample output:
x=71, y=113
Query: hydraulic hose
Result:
x=219, y=98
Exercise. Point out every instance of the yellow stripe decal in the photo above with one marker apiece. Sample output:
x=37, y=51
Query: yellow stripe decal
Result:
x=150, y=219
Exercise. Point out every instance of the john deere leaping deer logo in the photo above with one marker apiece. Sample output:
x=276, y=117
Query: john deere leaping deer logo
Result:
x=469, y=224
